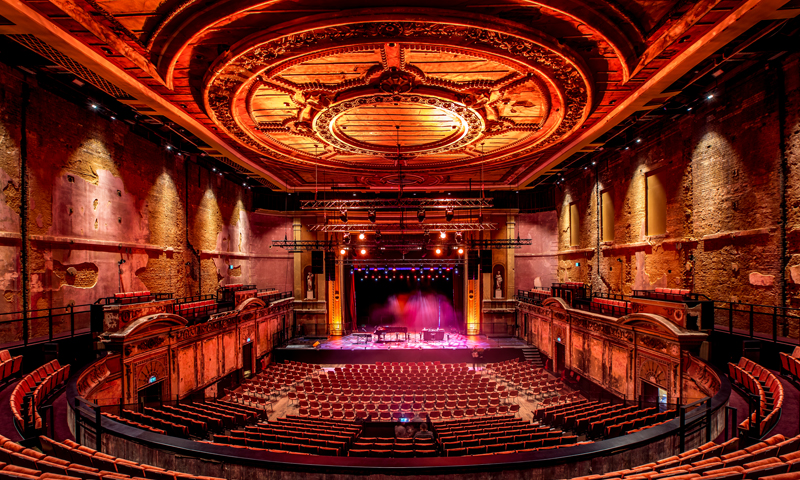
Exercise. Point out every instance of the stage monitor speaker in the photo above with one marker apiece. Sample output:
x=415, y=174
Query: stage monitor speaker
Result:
x=473, y=262
x=330, y=266
x=316, y=262
x=486, y=261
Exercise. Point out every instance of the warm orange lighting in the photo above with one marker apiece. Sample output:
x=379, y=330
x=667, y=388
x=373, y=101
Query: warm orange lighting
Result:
x=363, y=251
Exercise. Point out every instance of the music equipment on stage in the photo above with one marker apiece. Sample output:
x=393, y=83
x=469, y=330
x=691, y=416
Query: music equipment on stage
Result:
x=432, y=335
x=316, y=261
x=382, y=331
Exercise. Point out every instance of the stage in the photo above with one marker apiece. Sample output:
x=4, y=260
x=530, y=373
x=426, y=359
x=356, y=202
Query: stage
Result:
x=353, y=349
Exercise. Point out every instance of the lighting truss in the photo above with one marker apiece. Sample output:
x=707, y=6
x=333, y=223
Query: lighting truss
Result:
x=395, y=227
x=300, y=245
x=499, y=244
x=396, y=204
x=402, y=263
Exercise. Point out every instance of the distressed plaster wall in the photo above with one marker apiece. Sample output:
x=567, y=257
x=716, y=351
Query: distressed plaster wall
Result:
x=721, y=169
x=98, y=193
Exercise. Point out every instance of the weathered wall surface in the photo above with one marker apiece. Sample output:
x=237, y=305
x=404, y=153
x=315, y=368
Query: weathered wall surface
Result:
x=536, y=264
x=99, y=194
x=721, y=167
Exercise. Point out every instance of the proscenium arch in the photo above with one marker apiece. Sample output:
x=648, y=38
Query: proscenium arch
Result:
x=186, y=24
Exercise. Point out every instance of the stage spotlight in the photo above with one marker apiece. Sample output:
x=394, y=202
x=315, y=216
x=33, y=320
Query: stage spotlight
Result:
x=371, y=215
x=448, y=214
x=346, y=239
x=461, y=251
x=342, y=251
x=363, y=251
x=438, y=251
x=459, y=237
x=421, y=215
x=361, y=236
x=442, y=234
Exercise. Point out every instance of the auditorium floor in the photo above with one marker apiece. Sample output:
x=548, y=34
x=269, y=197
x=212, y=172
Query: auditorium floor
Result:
x=283, y=406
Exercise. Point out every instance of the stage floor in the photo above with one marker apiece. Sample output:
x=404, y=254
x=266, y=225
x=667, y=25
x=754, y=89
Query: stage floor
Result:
x=353, y=342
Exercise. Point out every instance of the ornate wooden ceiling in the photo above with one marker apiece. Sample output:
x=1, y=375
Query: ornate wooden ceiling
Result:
x=378, y=94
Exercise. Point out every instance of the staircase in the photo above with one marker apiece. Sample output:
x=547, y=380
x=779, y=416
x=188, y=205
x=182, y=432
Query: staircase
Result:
x=532, y=355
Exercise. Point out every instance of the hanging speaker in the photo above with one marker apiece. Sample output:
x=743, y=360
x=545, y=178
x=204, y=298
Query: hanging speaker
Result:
x=316, y=262
x=486, y=261
x=330, y=266
x=473, y=262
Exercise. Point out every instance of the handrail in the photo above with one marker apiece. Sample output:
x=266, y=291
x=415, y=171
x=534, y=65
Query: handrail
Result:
x=428, y=465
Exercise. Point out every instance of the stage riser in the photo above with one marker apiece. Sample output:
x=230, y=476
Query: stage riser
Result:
x=460, y=355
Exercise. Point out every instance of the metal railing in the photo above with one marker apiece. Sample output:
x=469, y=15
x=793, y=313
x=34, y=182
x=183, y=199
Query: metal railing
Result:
x=20, y=329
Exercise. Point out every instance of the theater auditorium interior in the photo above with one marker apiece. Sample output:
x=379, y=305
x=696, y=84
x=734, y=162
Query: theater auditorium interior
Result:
x=304, y=239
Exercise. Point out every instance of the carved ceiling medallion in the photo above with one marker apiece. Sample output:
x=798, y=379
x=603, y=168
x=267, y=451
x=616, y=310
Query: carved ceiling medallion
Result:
x=345, y=96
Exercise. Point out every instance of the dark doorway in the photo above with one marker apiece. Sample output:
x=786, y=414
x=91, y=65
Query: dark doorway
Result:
x=561, y=354
x=653, y=395
x=247, y=359
x=151, y=394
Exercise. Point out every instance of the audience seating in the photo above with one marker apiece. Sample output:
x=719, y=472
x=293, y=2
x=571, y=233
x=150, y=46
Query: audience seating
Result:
x=32, y=390
x=193, y=309
x=10, y=366
x=135, y=424
x=760, y=381
x=611, y=307
x=494, y=435
x=393, y=447
x=776, y=458
x=296, y=434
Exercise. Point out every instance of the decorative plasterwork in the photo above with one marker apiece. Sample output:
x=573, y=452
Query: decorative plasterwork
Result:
x=532, y=74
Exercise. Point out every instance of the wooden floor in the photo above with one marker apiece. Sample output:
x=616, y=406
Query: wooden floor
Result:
x=283, y=407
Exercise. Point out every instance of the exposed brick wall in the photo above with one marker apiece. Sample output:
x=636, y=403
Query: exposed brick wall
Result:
x=93, y=185
x=721, y=163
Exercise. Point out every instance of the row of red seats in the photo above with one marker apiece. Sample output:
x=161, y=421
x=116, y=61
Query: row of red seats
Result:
x=131, y=423
x=635, y=422
x=32, y=390
x=193, y=308
x=198, y=428
x=172, y=429
x=789, y=363
x=71, y=461
x=757, y=379
x=143, y=293
x=10, y=366
x=776, y=458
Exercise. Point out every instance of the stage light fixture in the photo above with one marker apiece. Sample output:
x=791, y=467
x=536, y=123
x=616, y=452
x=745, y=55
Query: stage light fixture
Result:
x=461, y=251
x=442, y=234
x=361, y=236
x=371, y=215
x=421, y=215
x=343, y=215
x=363, y=251
x=438, y=251
x=449, y=213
